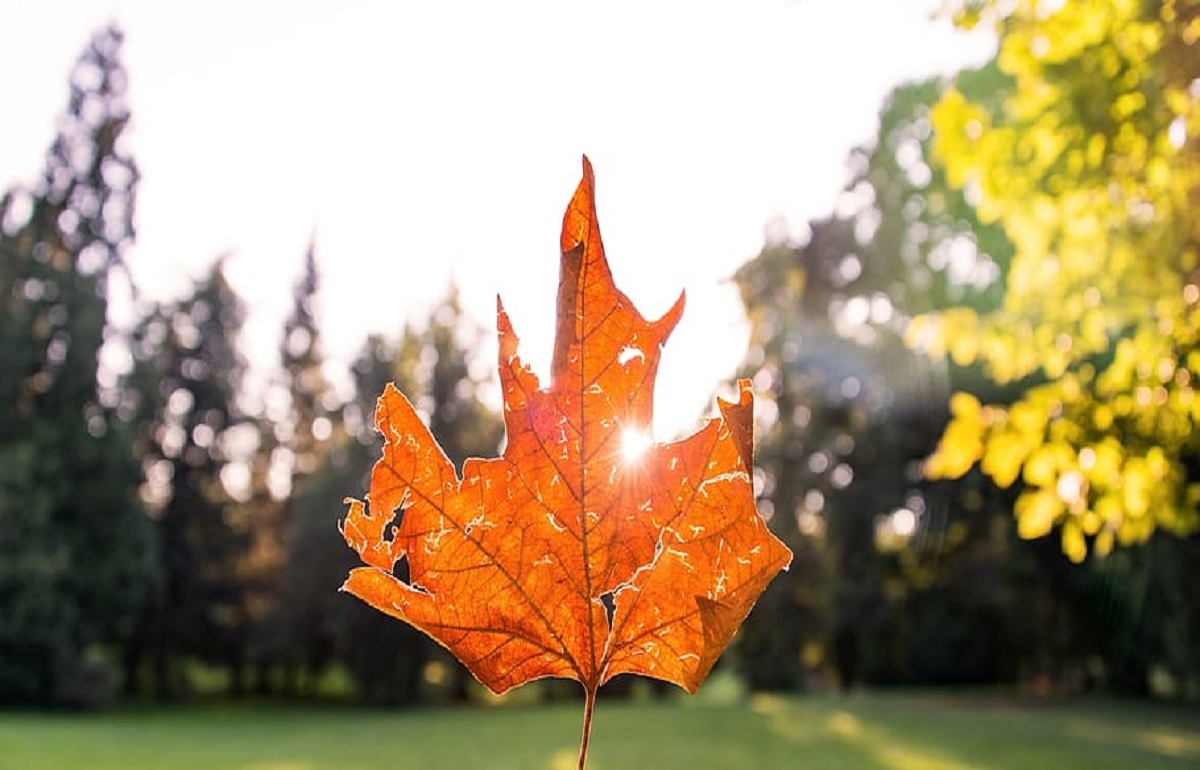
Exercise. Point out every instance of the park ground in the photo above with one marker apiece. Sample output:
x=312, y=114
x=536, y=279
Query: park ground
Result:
x=864, y=731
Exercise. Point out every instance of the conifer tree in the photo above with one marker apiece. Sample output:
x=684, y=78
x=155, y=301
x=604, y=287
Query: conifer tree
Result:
x=73, y=540
x=191, y=370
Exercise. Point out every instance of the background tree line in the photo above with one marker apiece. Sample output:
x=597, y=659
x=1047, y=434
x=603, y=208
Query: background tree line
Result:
x=155, y=519
x=150, y=518
x=1024, y=237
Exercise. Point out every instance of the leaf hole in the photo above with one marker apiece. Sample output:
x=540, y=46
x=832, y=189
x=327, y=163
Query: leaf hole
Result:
x=400, y=570
x=628, y=353
x=610, y=606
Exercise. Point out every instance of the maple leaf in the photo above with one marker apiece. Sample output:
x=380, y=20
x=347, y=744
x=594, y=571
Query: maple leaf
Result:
x=571, y=555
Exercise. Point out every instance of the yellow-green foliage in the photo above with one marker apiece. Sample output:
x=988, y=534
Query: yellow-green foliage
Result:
x=1092, y=167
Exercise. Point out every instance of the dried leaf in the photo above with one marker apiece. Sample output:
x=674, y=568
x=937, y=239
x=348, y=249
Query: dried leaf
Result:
x=571, y=555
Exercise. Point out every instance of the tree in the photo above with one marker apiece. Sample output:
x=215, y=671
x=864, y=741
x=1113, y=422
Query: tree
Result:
x=321, y=625
x=1090, y=162
x=940, y=606
x=73, y=539
x=190, y=372
x=896, y=579
x=306, y=430
x=432, y=366
x=296, y=434
x=847, y=414
x=917, y=240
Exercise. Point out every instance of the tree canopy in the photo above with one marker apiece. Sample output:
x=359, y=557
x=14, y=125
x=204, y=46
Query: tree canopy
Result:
x=1089, y=160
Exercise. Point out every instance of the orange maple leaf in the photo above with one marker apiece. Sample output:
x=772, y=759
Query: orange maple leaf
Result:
x=566, y=556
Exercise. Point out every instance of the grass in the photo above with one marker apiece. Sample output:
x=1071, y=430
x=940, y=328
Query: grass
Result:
x=861, y=731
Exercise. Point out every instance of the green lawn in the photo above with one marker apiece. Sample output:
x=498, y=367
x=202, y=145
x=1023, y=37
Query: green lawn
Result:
x=867, y=731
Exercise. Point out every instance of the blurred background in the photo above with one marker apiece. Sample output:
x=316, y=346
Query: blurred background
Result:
x=953, y=245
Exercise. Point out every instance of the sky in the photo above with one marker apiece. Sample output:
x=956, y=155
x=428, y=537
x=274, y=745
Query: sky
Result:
x=421, y=143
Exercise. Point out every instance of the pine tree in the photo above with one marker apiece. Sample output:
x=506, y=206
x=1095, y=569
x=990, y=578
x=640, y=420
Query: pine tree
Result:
x=430, y=365
x=73, y=540
x=301, y=420
x=191, y=372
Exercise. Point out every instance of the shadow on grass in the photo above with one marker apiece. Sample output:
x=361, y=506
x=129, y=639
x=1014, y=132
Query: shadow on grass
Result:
x=989, y=732
x=1163, y=740
x=833, y=736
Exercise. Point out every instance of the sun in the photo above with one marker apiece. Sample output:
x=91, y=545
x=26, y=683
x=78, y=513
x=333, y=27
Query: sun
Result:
x=634, y=443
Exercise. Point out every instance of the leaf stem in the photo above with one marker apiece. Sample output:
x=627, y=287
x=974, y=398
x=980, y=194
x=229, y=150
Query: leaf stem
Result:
x=589, y=705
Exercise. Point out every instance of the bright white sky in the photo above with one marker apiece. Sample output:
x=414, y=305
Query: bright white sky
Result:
x=425, y=141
